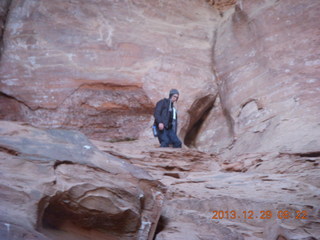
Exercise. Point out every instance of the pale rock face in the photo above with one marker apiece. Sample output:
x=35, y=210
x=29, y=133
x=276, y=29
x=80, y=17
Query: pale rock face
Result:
x=100, y=66
x=266, y=59
x=57, y=183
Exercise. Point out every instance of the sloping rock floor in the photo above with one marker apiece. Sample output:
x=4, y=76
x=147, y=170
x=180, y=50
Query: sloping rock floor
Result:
x=272, y=196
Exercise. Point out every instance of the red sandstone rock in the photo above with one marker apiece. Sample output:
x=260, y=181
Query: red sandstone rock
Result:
x=266, y=59
x=199, y=183
x=101, y=66
x=57, y=183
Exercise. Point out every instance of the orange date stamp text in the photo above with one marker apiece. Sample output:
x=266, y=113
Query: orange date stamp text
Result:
x=264, y=214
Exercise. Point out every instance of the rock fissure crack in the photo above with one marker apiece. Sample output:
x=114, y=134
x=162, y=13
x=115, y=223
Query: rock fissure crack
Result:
x=4, y=13
x=9, y=151
x=8, y=96
x=198, y=112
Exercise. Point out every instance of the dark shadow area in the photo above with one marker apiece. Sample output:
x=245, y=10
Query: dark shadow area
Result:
x=60, y=217
x=4, y=12
x=310, y=154
x=198, y=112
x=163, y=221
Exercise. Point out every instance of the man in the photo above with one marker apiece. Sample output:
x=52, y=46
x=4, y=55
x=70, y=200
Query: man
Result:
x=165, y=116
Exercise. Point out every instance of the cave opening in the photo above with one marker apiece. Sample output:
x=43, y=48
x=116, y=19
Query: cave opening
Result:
x=198, y=112
x=162, y=223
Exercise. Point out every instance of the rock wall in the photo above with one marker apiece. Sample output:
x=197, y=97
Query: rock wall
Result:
x=249, y=81
x=266, y=59
x=100, y=66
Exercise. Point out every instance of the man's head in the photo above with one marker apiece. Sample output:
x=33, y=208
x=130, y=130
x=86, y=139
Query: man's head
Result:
x=174, y=95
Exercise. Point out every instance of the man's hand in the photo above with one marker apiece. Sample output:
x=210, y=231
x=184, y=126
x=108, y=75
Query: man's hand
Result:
x=161, y=126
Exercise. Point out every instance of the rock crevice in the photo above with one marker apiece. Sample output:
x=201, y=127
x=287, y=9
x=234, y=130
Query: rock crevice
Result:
x=198, y=114
x=4, y=12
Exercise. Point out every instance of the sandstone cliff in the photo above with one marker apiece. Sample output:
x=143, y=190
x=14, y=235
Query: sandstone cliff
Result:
x=248, y=72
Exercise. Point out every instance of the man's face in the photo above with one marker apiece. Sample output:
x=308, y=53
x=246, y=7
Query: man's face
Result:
x=174, y=97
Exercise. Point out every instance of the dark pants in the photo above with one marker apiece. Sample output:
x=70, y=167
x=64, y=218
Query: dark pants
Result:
x=167, y=137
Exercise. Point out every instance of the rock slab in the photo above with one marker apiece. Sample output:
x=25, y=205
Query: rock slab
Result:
x=55, y=184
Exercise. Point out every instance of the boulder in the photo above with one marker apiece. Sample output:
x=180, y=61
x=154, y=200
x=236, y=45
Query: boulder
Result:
x=55, y=184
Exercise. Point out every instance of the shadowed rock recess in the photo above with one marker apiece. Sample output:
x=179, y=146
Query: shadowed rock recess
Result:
x=55, y=182
x=78, y=83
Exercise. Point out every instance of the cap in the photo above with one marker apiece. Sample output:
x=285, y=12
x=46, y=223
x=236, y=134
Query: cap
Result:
x=172, y=92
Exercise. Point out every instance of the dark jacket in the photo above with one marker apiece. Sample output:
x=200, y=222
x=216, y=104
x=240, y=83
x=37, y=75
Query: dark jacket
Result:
x=162, y=114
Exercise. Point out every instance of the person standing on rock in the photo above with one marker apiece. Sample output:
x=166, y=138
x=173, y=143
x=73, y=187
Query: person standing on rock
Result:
x=166, y=121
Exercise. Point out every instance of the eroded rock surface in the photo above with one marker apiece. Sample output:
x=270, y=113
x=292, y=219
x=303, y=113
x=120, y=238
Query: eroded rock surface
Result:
x=199, y=183
x=266, y=59
x=100, y=66
x=56, y=185
x=249, y=81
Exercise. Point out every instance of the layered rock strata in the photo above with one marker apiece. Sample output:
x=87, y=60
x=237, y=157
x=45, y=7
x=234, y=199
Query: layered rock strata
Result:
x=249, y=82
x=56, y=185
x=270, y=196
x=266, y=59
x=100, y=66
